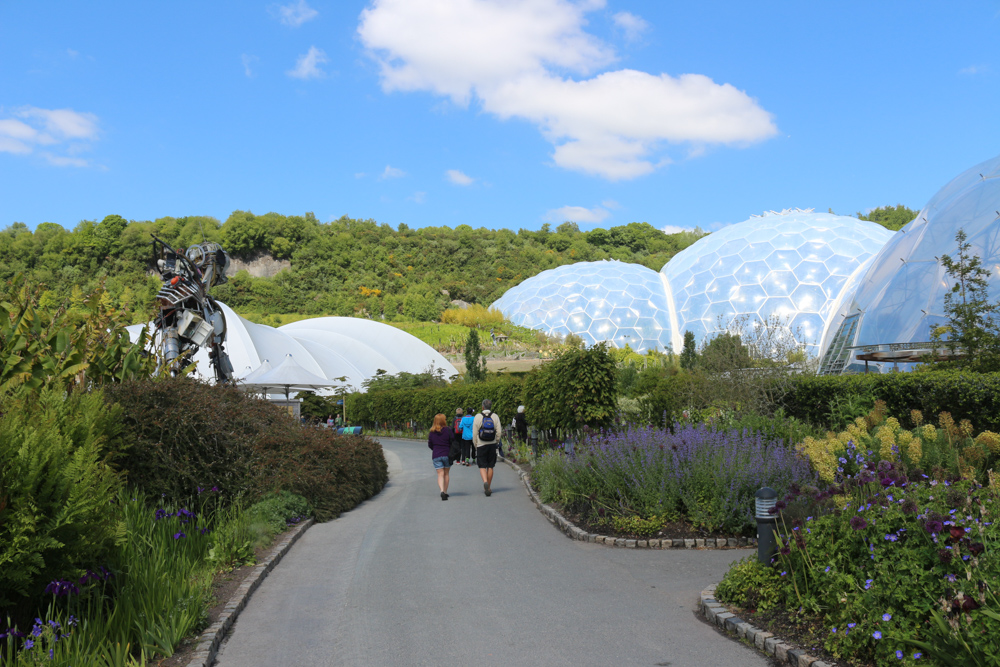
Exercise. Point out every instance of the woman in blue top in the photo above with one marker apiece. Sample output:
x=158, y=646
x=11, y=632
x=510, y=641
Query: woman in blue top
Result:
x=439, y=442
x=467, y=421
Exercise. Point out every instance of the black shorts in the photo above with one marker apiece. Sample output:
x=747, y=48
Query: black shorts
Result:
x=486, y=456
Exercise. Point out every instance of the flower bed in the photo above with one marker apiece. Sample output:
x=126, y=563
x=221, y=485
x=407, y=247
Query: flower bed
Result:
x=641, y=479
x=898, y=569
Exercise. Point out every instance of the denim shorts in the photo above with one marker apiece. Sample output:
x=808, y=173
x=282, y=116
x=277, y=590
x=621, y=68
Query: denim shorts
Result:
x=441, y=462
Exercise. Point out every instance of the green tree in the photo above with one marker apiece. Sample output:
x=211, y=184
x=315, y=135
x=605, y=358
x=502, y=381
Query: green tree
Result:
x=725, y=352
x=577, y=388
x=890, y=217
x=475, y=362
x=972, y=328
x=689, y=355
x=107, y=235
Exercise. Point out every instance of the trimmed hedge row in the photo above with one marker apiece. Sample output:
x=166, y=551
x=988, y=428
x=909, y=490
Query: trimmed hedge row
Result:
x=972, y=396
x=421, y=405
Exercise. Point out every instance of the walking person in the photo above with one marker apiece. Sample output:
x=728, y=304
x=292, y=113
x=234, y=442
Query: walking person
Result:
x=467, y=446
x=521, y=424
x=455, y=454
x=439, y=442
x=486, y=431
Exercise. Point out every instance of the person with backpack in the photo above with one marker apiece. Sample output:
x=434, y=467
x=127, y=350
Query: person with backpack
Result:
x=466, y=425
x=486, y=431
x=455, y=453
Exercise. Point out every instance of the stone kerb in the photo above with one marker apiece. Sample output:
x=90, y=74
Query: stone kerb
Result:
x=210, y=640
x=575, y=532
x=715, y=612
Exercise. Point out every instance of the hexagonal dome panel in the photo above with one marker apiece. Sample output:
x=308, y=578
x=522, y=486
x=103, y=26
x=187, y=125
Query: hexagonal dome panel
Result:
x=772, y=258
x=902, y=294
x=624, y=304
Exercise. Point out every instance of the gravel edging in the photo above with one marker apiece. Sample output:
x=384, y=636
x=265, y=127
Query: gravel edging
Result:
x=210, y=640
x=576, y=533
x=765, y=642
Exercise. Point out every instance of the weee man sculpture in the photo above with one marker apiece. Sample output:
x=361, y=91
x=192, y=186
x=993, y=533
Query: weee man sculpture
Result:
x=189, y=318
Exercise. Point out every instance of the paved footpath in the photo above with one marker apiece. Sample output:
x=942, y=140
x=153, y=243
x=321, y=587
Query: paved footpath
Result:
x=409, y=579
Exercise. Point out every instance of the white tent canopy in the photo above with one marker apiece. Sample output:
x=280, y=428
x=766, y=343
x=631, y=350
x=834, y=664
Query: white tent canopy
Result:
x=326, y=347
x=287, y=376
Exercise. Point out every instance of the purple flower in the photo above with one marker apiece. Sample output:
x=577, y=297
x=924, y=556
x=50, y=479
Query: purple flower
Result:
x=858, y=523
x=178, y=536
x=877, y=635
x=899, y=654
x=29, y=644
x=868, y=584
x=932, y=526
x=886, y=617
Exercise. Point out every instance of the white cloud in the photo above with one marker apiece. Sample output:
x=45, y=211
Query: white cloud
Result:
x=419, y=197
x=972, y=70
x=577, y=214
x=633, y=26
x=62, y=130
x=391, y=172
x=675, y=229
x=308, y=65
x=64, y=161
x=515, y=57
x=611, y=203
x=248, y=62
x=71, y=53
x=458, y=178
x=294, y=14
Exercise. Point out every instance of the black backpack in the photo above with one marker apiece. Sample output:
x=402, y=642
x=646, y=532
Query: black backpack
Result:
x=487, y=429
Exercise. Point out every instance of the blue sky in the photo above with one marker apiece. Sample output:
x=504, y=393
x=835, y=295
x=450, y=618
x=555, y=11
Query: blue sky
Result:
x=495, y=113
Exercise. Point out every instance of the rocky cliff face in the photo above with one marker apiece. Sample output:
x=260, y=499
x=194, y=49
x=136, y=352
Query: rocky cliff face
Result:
x=260, y=265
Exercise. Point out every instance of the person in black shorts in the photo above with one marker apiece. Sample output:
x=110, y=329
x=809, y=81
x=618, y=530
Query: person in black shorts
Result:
x=486, y=431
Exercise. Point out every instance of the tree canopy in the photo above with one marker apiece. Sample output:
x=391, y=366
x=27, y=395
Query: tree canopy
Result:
x=343, y=267
x=890, y=217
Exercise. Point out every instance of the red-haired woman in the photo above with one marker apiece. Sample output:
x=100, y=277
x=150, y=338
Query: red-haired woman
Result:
x=439, y=442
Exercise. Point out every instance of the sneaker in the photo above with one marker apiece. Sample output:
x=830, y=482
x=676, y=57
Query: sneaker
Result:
x=486, y=489
x=444, y=496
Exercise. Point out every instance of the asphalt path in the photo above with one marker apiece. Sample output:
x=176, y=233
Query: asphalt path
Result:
x=408, y=579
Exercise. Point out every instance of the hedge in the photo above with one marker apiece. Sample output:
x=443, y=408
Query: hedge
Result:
x=420, y=405
x=966, y=395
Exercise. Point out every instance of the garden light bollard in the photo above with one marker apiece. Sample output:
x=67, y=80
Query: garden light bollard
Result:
x=533, y=440
x=766, y=499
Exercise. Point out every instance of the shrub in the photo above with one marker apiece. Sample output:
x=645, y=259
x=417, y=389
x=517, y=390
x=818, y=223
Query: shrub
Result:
x=948, y=446
x=55, y=484
x=750, y=585
x=334, y=473
x=185, y=435
x=473, y=316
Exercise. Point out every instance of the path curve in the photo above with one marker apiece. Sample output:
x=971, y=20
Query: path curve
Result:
x=409, y=579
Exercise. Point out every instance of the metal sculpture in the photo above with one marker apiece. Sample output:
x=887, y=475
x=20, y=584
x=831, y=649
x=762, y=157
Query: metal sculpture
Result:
x=189, y=317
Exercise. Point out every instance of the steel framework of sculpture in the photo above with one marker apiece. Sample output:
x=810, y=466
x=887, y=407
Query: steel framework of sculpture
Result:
x=189, y=317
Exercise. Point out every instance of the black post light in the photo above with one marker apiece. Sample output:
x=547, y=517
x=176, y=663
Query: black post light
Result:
x=766, y=498
x=533, y=440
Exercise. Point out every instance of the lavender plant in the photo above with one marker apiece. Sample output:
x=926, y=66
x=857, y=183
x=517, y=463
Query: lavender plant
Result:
x=698, y=474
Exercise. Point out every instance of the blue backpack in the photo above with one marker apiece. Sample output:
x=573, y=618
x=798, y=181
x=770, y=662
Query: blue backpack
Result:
x=487, y=429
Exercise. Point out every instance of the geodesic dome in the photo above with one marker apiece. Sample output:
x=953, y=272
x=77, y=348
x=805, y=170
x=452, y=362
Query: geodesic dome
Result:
x=791, y=265
x=613, y=301
x=901, y=296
